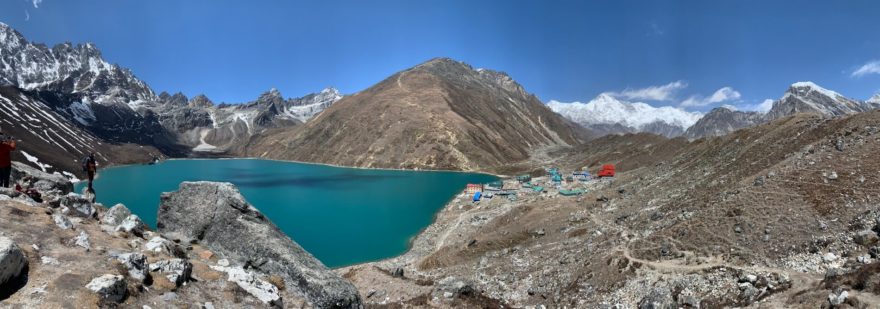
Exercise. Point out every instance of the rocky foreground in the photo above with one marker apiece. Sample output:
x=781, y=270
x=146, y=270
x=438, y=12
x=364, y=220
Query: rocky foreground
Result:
x=212, y=250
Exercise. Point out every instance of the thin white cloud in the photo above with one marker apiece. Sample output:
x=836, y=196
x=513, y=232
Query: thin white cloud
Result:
x=872, y=67
x=652, y=93
x=37, y=3
x=762, y=107
x=725, y=94
x=656, y=30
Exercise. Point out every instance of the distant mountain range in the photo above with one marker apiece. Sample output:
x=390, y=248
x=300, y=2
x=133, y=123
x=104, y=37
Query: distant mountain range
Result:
x=801, y=97
x=608, y=115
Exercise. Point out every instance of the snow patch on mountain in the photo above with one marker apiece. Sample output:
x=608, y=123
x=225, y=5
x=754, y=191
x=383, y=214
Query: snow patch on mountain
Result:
x=607, y=110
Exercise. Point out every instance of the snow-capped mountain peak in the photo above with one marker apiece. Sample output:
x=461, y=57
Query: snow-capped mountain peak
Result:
x=811, y=98
x=803, y=88
x=875, y=99
x=606, y=110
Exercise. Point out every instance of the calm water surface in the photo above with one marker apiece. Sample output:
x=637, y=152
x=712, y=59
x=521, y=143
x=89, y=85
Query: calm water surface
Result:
x=342, y=216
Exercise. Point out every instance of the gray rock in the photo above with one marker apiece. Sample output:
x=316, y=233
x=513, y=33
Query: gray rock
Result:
x=109, y=287
x=866, y=238
x=48, y=260
x=88, y=195
x=47, y=184
x=759, y=181
x=115, y=215
x=218, y=216
x=132, y=224
x=136, y=263
x=176, y=270
x=452, y=287
x=158, y=244
x=61, y=221
x=79, y=206
x=259, y=288
x=839, y=144
x=839, y=299
x=658, y=298
x=82, y=240
x=397, y=273
x=12, y=260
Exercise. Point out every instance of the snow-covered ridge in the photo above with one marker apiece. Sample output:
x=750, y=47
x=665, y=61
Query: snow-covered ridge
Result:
x=606, y=109
x=810, y=86
x=875, y=99
x=69, y=68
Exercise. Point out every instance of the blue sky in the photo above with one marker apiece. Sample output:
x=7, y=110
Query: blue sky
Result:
x=696, y=53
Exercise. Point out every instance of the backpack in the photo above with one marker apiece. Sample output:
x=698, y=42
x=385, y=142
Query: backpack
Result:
x=85, y=164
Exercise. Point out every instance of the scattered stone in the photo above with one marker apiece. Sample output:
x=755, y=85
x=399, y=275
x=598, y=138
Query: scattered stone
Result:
x=839, y=299
x=452, y=287
x=829, y=257
x=658, y=298
x=62, y=222
x=602, y=199
x=78, y=205
x=737, y=228
x=48, y=260
x=866, y=238
x=259, y=288
x=839, y=144
x=223, y=262
x=158, y=244
x=759, y=181
x=136, y=263
x=169, y=296
x=12, y=260
x=178, y=270
x=539, y=232
x=209, y=305
x=115, y=215
x=132, y=224
x=831, y=176
x=82, y=240
x=109, y=287
x=397, y=273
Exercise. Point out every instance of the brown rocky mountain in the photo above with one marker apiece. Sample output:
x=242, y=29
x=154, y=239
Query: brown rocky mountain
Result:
x=442, y=114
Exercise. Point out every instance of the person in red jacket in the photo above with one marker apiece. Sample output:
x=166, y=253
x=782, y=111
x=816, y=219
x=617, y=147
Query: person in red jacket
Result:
x=7, y=145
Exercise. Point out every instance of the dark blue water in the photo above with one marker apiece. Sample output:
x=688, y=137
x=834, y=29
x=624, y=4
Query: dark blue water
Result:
x=342, y=216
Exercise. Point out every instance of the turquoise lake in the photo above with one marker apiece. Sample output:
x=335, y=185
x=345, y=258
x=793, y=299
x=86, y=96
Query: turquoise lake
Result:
x=343, y=216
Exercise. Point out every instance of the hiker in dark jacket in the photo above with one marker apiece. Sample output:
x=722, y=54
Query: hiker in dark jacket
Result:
x=7, y=145
x=90, y=166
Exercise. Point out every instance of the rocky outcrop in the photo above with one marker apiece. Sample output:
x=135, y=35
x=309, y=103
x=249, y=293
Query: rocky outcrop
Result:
x=44, y=182
x=12, y=262
x=111, y=288
x=217, y=216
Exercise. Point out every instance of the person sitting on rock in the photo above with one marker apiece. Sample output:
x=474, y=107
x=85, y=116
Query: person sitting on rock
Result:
x=7, y=145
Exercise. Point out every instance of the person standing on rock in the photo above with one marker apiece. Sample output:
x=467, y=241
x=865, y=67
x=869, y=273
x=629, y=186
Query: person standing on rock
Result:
x=90, y=166
x=7, y=145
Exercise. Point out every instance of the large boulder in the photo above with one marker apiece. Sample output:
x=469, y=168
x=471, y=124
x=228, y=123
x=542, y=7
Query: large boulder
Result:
x=177, y=271
x=115, y=215
x=217, y=216
x=109, y=287
x=12, y=261
x=79, y=205
x=47, y=184
x=136, y=263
